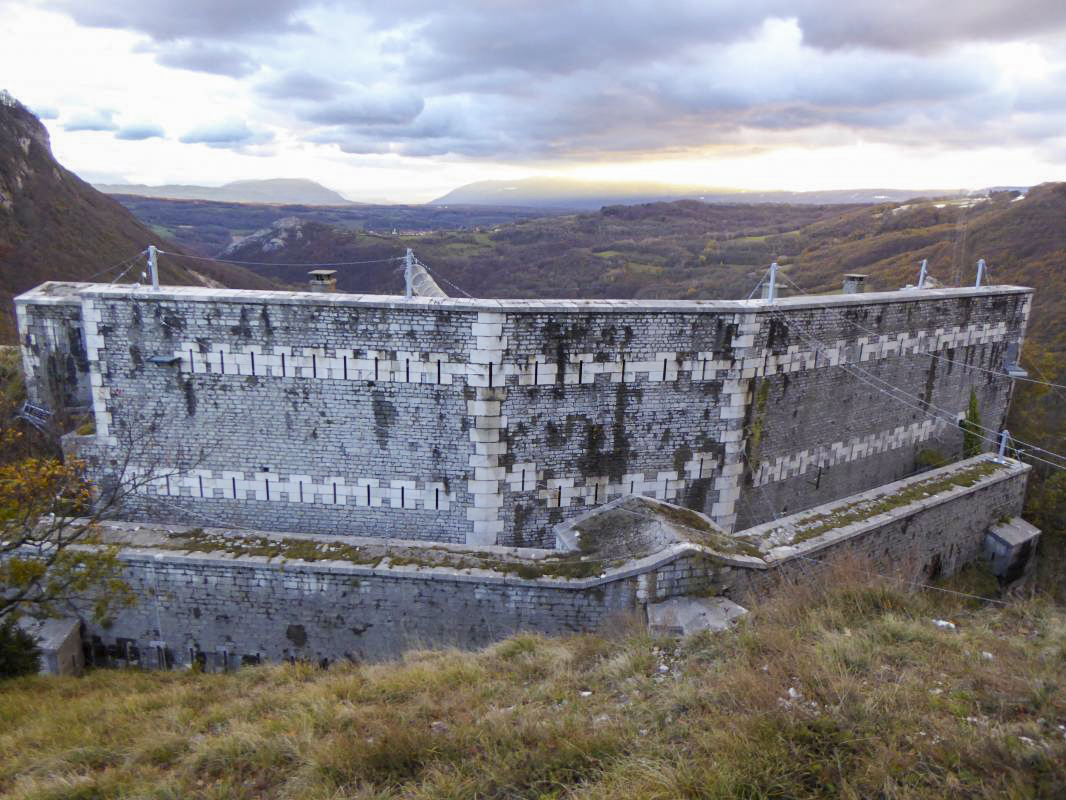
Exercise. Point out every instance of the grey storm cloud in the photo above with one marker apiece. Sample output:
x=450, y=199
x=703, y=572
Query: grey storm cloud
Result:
x=369, y=108
x=921, y=25
x=442, y=127
x=300, y=85
x=560, y=35
x=564, y=78
x=205, y=57
x=557, y=37
x=97, y=120
x=227, y=134
x=140, y=131
x=166, y=20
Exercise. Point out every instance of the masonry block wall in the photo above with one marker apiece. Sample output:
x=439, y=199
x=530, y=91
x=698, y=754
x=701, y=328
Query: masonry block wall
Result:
x=924, y=541
x=487, y=422
x=225, y=610
x=53, y=348
x=889, y=380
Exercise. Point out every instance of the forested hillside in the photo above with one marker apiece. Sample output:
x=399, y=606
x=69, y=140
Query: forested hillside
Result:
x=54, y=226
x=690, y=249
x=209, y=226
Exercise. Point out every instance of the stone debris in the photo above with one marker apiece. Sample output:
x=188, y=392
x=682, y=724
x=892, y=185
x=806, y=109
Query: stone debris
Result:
x=684, y=616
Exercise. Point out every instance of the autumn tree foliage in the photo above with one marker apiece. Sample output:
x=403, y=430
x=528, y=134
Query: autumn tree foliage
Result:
x=50, y=555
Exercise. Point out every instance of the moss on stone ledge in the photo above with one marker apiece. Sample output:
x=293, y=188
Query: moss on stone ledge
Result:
x=311, y=550
x=865, y=509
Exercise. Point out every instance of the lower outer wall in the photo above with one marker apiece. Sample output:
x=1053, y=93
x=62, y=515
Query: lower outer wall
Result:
x=272, y=612
x=934, y=541
x=276, y=612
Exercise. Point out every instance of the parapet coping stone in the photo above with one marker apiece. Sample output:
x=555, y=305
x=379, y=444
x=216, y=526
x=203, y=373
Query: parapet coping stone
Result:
x=46, y=294
x=177, y=556
x=786, y=552
x=54, y=293
x=633, y=567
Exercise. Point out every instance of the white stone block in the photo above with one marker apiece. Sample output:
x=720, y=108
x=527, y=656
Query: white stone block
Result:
x=488, y=500
x=486, y=357
x=474, y=514
x=483, y=407
x=484, y=435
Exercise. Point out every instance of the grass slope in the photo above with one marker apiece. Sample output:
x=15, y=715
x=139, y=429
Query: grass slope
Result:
x=846, y=692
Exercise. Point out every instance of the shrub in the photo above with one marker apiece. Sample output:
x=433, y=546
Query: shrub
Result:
x=19, y=653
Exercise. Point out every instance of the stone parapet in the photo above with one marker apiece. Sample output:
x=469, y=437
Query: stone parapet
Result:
x=200, y=599
x=477, y=421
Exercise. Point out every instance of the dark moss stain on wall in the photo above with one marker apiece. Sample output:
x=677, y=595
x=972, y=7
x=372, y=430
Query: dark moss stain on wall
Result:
x=723, y=338
x=754, y=427
x=190, y=396
x=778, y=338
x=136, y=359
x=682, y=455
x=593, y=460
x=243, y=328
x=296, y=634
x=930, y=382
x=384, y=417
x=620, y=452
x=553, y=435
x=264, y=322
x=521, y=516
x=171, y=322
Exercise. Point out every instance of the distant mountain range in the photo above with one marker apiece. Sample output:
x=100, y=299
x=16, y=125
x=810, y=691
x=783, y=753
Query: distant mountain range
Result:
x=546, y=194
x=561, y=193
x=280, y=191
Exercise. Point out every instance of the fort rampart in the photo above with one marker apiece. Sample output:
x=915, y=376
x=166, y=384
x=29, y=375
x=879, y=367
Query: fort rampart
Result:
x=226, y=609
x=488, y=422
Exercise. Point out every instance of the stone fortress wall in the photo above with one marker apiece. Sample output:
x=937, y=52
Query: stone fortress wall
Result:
x=224, y=610
x=488, y=422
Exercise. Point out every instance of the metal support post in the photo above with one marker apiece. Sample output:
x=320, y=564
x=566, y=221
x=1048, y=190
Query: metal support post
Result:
x=771, y=296
x=153, y=266
x=408, y=272
x=923, y=273
x=1002, y=445
x=980, y=273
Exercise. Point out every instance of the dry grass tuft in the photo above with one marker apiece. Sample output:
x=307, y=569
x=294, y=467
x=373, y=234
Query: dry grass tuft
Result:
x=840, y=687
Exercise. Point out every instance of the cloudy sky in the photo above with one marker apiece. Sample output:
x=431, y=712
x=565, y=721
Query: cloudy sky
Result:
x=405, y=99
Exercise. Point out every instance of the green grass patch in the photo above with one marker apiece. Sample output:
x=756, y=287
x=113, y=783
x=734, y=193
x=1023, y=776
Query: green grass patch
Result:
x=835, y=688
